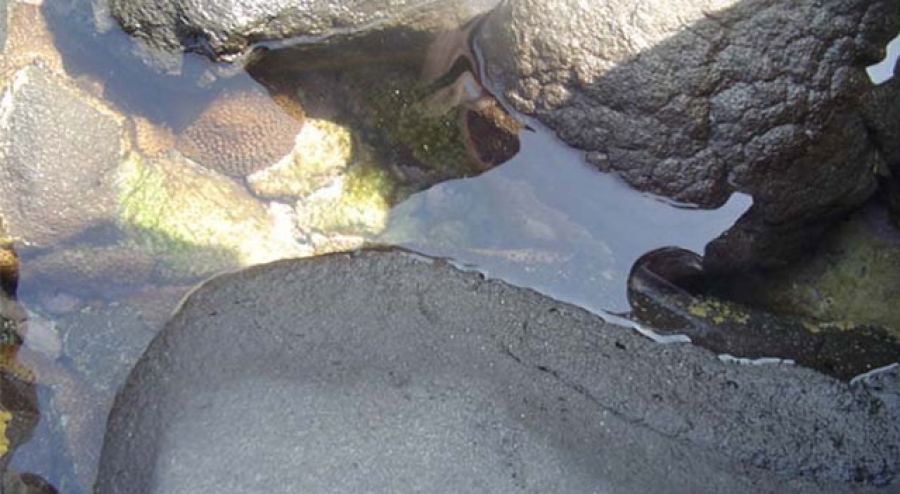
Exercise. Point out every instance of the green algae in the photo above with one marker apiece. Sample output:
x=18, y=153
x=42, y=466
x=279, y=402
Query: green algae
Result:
x=357, y=204
x=322, y=153
x=396, y=102
x=194, y=221
x=851, y=280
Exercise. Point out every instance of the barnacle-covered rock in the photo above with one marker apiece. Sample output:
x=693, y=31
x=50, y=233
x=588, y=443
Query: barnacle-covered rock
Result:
x=241, y=132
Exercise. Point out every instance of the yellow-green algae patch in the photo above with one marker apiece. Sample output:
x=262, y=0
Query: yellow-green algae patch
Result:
x=853, y=279
x=5, y=418
x=195, y=221
x=357, y=203
x=718, y=311
x=322, y=152
x=397, y=102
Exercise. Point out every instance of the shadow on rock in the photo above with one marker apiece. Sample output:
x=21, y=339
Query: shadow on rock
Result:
x=668, y=290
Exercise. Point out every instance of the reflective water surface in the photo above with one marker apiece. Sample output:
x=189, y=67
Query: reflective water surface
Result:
x=400, y=162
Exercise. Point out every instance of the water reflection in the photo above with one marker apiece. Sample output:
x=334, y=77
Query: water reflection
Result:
x=548, y=221
x=192, y=199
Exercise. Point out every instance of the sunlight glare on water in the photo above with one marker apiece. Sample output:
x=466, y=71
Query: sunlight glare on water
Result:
x=597, y=217
x=883, y=71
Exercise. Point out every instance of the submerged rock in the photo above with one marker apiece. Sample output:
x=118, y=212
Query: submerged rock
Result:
x=694, y=100
x=58, y=155
x=428, y=146
x=241, y=132
x=322, y=152
x=357, y=203
x=105, y=271
x=103, y=344
x=194, y=220
x=19, y=415
x=664, y=291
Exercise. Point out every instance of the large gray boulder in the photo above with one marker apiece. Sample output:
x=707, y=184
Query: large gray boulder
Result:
x=694, y=100
x=385, y=372
x=227, y=31
x=58, y=155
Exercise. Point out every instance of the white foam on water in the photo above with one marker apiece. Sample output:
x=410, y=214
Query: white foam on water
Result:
x=731, y=359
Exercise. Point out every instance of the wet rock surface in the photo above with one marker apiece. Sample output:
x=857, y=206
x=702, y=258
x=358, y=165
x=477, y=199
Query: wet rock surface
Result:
x=166, y=28
x=384, y=340
x=851, y=278
x=695, y=100
x=882, y=107
x=58, y=189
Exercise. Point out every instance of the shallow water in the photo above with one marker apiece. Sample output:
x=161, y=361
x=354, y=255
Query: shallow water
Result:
x=544, y=220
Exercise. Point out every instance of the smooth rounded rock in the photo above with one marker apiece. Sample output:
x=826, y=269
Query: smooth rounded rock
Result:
x=383, y=371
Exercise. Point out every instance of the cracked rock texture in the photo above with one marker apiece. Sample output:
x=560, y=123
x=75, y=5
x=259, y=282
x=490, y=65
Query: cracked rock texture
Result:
x=694, y=100
x=382, y=369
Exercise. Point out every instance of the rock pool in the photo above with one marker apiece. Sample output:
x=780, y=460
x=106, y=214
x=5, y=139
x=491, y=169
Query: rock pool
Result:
x=132, y=168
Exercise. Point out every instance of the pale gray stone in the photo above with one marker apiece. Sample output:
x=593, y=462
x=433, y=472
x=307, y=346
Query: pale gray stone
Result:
x=387, y=372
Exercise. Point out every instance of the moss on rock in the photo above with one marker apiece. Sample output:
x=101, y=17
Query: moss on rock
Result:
x=396, y=102
x=357, y=203
x=851, y=280
x=322, y=153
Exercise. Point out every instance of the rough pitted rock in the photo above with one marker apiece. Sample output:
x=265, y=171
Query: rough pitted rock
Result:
x=380, y=369
x=58, y=155
x=227, y=30
x=693, y=100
